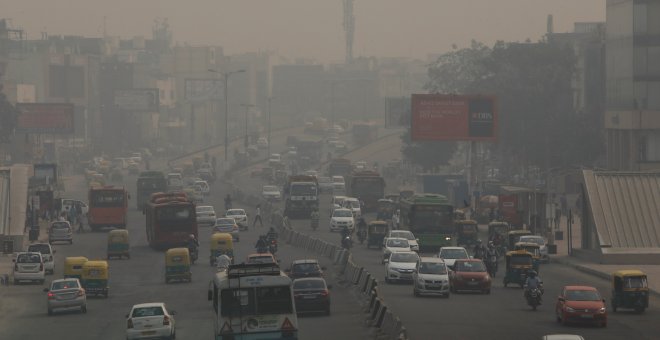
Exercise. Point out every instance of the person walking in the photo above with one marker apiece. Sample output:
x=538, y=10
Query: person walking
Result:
x=257, y=217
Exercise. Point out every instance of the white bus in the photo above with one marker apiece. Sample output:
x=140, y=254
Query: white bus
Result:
x=253, y=301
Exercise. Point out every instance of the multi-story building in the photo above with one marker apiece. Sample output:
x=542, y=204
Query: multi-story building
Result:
x=632, y=118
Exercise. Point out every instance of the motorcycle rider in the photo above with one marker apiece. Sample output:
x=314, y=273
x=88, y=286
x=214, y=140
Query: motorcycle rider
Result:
x=479, y=250
x=491, y=257
x=345, y=233
x=222, y=262
x=193, y=245
x=361, y=229
x=261, y=245
x=533, y=281
x=272, y=234
x=315, y=219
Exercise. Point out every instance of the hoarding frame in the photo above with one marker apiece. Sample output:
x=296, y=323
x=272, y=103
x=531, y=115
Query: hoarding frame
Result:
x=448, y=117
x=45, y=118
x=150, y=99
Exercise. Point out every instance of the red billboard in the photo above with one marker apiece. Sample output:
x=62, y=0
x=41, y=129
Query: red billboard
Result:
x=52, y=118
x=453, y=117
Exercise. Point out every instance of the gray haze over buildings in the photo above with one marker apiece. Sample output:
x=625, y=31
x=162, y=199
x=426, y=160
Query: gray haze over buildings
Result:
x=310, y=28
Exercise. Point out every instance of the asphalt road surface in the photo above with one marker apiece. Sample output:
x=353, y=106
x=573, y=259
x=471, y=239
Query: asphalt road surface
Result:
x=141, y=279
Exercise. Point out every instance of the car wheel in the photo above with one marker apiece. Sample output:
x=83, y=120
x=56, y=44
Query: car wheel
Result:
x=83, y=308
x=387, y=280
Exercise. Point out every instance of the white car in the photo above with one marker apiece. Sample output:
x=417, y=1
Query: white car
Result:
x=394, y=244
x=29, y=267
x=262, y=143
x=408, y=235
x=325, y=184
x=47, y=255
x=335, y=203
x=204, y=185
x=545, y=257
x=205, y=215
x=338, y=189
x=81, y=206
x=451, y=254
x=338, y=179
x=401, y=266
x=150, y=321
x=240, y=216
x=271, y=193
x=341, y=218
x=431, y=277
x=274, y=158
x=353, y=204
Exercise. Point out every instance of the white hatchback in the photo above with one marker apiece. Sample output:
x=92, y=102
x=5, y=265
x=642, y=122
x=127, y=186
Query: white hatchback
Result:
x=29, y=266
x=341, y=218
x=150, y=321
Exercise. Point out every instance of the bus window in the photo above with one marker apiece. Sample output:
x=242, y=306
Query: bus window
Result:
x=237, y=302
x=274, y=300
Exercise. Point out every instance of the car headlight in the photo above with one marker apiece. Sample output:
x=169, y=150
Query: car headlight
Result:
x=569, y=309
x=420, y=281
x=602, y=310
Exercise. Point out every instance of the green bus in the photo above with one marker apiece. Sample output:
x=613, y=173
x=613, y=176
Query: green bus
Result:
x=431, y=218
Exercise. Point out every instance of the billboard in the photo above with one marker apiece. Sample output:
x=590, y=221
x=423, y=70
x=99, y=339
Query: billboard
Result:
x=453, y=117
x=202, y=89
x=53, y=118
x=136, y=100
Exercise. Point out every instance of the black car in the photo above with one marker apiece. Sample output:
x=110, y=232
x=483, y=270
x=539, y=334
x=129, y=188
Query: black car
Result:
x=305, y=268
x=311, y=295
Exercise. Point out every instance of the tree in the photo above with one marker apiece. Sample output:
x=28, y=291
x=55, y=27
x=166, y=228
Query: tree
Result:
x=8, y=118
x=427, y=155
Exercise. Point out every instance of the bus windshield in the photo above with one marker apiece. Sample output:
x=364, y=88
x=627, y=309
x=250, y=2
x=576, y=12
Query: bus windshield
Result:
x=369, y=185
x=107, y=198
x=303, y=190
x=173, y=216
x=256, y=301
x=432, y=219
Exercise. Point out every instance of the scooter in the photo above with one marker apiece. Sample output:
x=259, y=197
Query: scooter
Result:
x=534, y=297
x=347, y=243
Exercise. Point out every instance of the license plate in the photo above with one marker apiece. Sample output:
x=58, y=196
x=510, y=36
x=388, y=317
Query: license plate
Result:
x=309, y=297
x=148, y=332
x=473, y=283
x=587, y=316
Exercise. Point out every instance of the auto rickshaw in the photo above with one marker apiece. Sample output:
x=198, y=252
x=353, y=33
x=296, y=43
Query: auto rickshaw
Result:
x=533, y=249
x=376, y=231
x=466, y=232
x=513, y=237
x=497, y=233
x=177, y=265
x=221, y=243
x=95, y=278
x=518, y=263
x=630, y=289
x=118, y=245
x=73, y=267
x=385, y=209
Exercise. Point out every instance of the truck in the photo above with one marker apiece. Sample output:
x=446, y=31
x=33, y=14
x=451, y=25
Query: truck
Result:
x=339, y=167
x=368, y=186
x=364, y=133
x=309, y=148
x=301, y=196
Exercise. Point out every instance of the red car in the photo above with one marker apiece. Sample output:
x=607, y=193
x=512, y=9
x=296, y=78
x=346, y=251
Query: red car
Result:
x=470, y=275
x=581, y=304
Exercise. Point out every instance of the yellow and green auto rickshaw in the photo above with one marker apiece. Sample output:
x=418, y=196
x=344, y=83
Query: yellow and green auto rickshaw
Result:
x=118, y=245
x=95, y=278
x=532, y=248
x=630, y=289
x=466, y=232
x=221, y=243
x=177, y=265
x=518, y=263
x=513, y=237
x=73, y=267
x=376, y=231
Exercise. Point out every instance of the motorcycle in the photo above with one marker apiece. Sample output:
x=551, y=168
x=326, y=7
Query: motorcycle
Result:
x=362, y=235
x=272, y=248
x=193, y=254
x=491, y=265
x=534, y=297
x=347, y=243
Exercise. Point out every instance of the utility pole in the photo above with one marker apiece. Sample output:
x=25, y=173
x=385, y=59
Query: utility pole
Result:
x=247, y=110
x=226, y=75
x=270, y=99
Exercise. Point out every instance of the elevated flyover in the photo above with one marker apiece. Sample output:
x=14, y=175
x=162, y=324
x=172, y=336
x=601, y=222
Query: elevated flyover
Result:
x=13, y=206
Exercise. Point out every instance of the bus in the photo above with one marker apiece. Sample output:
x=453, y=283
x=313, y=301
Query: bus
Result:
x=149, y=182
x=367, y=186
x=108, y=206
x=253, y=301
x=170, y=220
x=430, y=217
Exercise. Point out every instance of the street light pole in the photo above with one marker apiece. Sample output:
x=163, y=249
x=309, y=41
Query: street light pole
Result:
x=247, y=109
x=270, y=99
x=226, y=75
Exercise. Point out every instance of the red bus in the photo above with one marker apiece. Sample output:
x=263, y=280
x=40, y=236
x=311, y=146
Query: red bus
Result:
x=171, y=219
x=108, y=206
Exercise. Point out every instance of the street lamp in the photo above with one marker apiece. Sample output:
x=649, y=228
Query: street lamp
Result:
x=226, y=75
x=247, y=109
x=270, y=99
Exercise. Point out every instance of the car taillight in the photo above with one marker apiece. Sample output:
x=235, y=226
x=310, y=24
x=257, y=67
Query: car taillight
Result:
x=51, y=296
x=129, y=323
x=166, y=320
x=325, y=293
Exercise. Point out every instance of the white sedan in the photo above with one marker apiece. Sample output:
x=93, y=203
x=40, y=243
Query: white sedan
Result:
x=150, y=321
x=240, y=216
x=451, y=254
x=271, y=192
x=394, y=244
x=342, y=218
x=400, y=266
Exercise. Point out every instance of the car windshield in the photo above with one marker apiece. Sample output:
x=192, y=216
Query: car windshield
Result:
x=260, y=259
x=308, y=284
x=68, y=284
x=225, y=221
x=582, y=295
x=397, y=243
x=204, y=209
x=305, y=268
x=453, y=254
x=435, y=268
x=60, y=225
x=147, y=311
x=635, y=282
x=470, y=266
x=404, y=257
x=537, y=240
x=342, y=213
x=235, y=212
x=403, y=234
x=28, y=258
x=39, y=248
x=270, y=188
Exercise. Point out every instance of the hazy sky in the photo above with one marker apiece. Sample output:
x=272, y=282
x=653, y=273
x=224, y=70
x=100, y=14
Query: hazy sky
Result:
x=309, y=28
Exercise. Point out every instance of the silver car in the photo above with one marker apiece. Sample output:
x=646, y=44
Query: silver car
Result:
x=60, y=231
x=66, y=294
